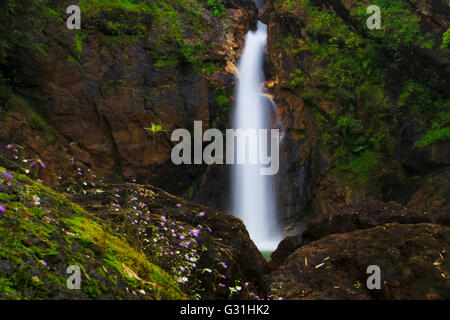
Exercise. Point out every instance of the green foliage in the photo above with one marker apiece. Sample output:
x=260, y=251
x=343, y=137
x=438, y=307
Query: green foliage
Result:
x=78, y=39
x=216, y=7
x=210, y=68
x=370, y=78
x=155, y=128
x=349, y=126
x=417, y=97
x=362, y=166
x=91, y=288
x=446, y=39
x=223, y=104
x=27, y=239
x=297, y=79
x=433, y=135
x=17, y=33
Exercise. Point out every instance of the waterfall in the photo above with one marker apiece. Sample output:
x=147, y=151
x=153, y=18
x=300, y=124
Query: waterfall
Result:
x=254, y=194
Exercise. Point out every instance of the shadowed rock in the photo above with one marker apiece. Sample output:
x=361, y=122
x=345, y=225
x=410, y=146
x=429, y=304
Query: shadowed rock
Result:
x=414, y=262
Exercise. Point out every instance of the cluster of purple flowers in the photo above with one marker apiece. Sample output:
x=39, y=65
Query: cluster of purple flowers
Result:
x=8, y=176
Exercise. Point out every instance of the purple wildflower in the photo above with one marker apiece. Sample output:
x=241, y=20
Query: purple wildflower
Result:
x=9, y=175
x=38, y=161
x=254, y=296
x=202, y=214
x=183, y=280
x=223, y=264
x=178, y=205
x=195, y=232
x=2, y=208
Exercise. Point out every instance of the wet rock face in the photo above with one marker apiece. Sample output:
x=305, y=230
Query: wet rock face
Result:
x=421, y=161
x=309, y=187
x=369, y=215
x=413, y=260
x=104, y=95
x=302, y=163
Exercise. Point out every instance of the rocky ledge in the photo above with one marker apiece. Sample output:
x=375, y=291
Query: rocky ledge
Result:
x=413, y=260
x=128, y=241
x=330, y=259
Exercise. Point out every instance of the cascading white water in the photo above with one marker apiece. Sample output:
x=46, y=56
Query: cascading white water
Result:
x=253, y=193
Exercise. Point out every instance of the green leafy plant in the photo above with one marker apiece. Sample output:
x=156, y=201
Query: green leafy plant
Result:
x=446, y=39
x=216, y=7
x=154, y=130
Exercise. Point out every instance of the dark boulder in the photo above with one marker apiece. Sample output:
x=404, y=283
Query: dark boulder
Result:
x=413, y=259
x=227, y=248
x=369, y=215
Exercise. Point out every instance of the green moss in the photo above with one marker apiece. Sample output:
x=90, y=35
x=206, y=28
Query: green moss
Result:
x=7, y=288
x=166, y=23
x=17, y=102
x=367, y=77
x=91, y=288
x=57, y=280
x=78, y=39
x=216, y=7
x=446, y=39
x=52, y=14
x=361, y=166
x=223, y=104
x=29, y=236
x=433, y=135
x=120, y=255
x=297, y=79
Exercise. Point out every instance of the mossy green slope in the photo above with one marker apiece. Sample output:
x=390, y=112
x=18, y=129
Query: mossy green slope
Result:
x=42, y=233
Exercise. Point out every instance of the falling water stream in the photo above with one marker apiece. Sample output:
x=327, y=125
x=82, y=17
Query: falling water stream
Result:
x=253, y=193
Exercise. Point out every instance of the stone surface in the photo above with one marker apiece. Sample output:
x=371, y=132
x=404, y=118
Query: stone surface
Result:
x=369, y=215
x=414, y=263
x=105, y=96
x=356, y=217
x=309, y=186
